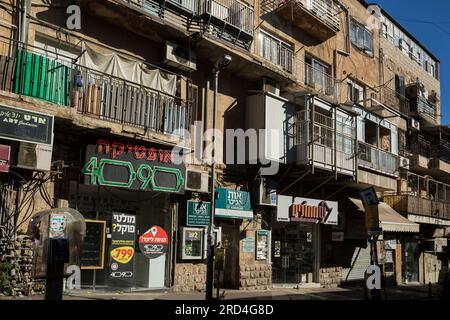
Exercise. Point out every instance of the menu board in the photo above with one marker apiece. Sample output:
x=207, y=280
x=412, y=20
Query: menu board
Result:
x=262, y=244
x=93, y=253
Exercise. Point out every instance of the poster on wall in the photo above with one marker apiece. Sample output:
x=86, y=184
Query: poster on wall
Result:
x=133, y=167
x=57, y=225
x=262, y=244
x=154, y=242
x=123, y=236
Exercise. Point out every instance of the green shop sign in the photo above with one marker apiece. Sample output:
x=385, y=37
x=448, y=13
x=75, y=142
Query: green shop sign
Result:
x=198, y=213
x=233, y=204
x=132, y=167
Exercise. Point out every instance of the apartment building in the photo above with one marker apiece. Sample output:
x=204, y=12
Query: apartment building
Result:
x=340, y=101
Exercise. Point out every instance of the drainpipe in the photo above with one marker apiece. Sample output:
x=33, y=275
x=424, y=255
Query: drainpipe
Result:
x=206, y=118
x=312, y=99
x=335, y=143
x=26, y=9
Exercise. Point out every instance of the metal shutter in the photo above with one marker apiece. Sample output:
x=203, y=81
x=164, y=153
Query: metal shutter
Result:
x=359, y=265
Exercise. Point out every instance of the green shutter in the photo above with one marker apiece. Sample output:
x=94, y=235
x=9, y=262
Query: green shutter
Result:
x=42, y=78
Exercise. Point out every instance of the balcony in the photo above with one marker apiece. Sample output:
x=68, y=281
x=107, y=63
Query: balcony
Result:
x=318, y=18
x=316, y=79
x=394, y=100
x=373, y=158
x=276, y=51
x=420, y=105
x=411, y=204
x=93, y=93
x=332, y=145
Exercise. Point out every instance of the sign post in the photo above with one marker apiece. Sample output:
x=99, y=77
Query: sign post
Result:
x=370, y=201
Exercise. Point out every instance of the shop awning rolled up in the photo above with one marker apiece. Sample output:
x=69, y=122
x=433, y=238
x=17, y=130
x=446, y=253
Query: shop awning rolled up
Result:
x=390, y=220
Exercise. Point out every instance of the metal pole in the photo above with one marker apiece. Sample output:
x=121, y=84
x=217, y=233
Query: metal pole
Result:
x=210, y=265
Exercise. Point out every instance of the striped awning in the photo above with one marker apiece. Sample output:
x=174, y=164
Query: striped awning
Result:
x=390, y=220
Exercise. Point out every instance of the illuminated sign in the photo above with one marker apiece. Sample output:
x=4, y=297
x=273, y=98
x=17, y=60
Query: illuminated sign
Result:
x=132, y=167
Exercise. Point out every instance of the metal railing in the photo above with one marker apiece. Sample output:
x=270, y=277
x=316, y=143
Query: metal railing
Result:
x=376, y=159
x=410, y=204
x=282, y=56
x=233, y=12
x=95, y=93
x=395, y=100
x=316, y=79
x=425, y=108
x=325, y=11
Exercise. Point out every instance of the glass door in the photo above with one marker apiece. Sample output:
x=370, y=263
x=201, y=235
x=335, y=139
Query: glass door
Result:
x=410, y=272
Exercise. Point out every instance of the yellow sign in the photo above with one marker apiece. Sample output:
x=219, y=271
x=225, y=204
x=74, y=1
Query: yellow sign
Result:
x=122, y=254
x=372, y=217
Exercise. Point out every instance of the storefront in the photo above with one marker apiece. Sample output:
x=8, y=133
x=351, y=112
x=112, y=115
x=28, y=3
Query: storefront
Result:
x=296, y=239
x=128, y=196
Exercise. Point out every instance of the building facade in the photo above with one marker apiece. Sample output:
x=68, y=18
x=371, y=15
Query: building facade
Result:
x=336, y=95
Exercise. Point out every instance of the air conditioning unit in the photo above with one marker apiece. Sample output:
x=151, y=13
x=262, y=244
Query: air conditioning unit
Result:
x=197, y=181
x=265, y=192
x=415, y=124
x=270, y=86
x=404, y=163
x=34, y=156
x=180, y=57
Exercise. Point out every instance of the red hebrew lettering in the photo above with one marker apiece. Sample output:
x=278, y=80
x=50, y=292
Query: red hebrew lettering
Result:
x=151, y=154
x=161, y=155
x=102, y=143
x=129, y=148
x=139, y=152
x=118, y=149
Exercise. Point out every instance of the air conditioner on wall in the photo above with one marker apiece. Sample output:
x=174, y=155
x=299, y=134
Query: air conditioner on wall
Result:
x=404, y=163
x=197, y=181
x=270, y=86
x=34, y=156
x=415, y=124
x=265, y=192
x=180, y=57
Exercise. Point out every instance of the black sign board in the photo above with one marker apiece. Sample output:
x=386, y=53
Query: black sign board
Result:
x=133, y=167
x=122, y=251
x=92, y=256
x=28, y=126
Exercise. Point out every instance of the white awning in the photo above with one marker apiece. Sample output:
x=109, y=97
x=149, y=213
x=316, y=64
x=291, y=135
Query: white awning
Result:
x=390, y=220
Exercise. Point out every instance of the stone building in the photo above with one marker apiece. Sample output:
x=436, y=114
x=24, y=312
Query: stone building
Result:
x=325, y=82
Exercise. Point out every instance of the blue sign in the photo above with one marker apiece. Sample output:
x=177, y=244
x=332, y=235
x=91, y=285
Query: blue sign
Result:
x=233, y=204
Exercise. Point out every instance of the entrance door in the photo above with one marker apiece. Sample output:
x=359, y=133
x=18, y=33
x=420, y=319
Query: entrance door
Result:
x=293, y=254
x=410, y=262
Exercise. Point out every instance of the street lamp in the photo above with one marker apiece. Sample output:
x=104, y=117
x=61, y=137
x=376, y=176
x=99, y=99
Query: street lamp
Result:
x=220, y=64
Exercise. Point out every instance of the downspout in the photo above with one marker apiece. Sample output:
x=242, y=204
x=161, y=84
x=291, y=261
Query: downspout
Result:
x=206, y=118
x=335, y=144
x=26, y=9
x=311, y=99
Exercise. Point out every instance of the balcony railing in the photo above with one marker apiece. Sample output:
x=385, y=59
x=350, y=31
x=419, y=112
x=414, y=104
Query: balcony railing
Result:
x=276, y=52
x=325, y=11
x=395, y=100
x=373, y=158
x=411, y=204
x=316, y=79
x=94, y=93
x=233, y=12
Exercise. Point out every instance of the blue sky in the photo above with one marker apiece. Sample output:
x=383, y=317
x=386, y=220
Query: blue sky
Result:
x=429, y=22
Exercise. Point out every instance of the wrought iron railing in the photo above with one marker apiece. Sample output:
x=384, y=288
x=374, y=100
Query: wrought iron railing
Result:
x=395, y=100
x=376, y=159
x=425, y=108
x=316, y=79
x=94, y=93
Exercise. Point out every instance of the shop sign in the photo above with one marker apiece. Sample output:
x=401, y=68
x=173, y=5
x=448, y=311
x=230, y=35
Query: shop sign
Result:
x=198, y=213
x=154, y=243
x=296, y=209
x=27, y=126
x=390, y=244
x=123, y=236
x=233, y=204
x=370, y=201
x=5, y=155
x=133, y=167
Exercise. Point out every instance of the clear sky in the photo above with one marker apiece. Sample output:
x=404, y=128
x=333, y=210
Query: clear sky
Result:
x=429, y=22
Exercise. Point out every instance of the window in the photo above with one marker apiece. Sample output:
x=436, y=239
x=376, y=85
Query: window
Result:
x=361, y=37
x=355, y=92
x=276, y=51
x=317, y=75
x=400, y=86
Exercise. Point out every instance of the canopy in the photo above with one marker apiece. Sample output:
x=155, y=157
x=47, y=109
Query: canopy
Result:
x=390, y=220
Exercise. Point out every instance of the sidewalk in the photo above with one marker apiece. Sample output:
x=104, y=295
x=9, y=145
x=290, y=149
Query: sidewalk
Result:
x=410, y=292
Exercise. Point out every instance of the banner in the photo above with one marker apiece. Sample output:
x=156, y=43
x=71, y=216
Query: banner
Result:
x=123, y=236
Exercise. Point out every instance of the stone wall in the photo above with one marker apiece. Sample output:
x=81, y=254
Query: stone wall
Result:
x=330, y=277
x=190, y=277
x=18, y=254
x=255, y=277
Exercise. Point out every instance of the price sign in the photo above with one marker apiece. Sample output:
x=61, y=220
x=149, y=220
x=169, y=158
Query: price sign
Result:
x=121, y=253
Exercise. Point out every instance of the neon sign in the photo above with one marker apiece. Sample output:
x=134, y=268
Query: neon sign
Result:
x=132, y=167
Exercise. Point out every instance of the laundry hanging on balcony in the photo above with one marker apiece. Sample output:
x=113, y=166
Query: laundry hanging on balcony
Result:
x=113, y=64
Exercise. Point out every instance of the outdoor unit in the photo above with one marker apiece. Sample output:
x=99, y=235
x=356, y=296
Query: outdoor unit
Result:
x=197, y=181
x=268, y=86
x=415, y=124
x=265, y=193
x=180, y=57
x=404, y=163
x=34, y=156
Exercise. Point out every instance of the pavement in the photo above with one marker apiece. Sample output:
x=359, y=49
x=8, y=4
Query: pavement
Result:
x=403, y=292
